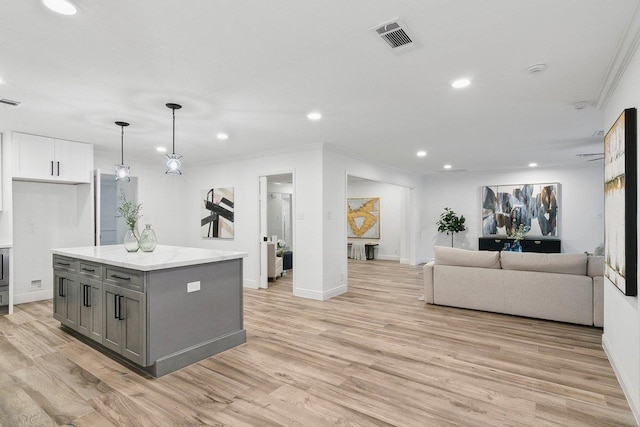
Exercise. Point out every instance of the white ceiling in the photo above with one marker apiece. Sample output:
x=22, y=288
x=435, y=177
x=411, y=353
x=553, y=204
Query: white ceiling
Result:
x=254, y=69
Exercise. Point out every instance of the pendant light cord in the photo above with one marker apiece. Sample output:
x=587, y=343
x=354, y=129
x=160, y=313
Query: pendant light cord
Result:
x=174, y=130
x=122, y=145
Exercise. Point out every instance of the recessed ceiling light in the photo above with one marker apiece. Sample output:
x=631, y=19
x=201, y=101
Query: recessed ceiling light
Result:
x=533, y=165
x=161, y=149
x=63, y=7
x=222, y=136
x=460, y=83
x=447, y=166
x=421, y=153
x=314, y=116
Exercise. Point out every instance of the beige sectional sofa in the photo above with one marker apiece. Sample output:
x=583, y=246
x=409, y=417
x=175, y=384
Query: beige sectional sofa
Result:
x=561, y=287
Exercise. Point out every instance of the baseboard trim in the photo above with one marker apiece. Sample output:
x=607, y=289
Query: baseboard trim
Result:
x=33, y=296
x=320, y=296
x=623, y=379
x=388, y=257
x=251, y=284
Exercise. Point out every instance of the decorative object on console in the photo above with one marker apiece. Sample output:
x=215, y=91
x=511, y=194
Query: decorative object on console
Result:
x=620, y=203
x=148, y=239
x=450, y=223
x=363, y=217
x=506, y=207
x=173, y=159
x=131, y=214
x=519, y=235
x=217, y=213
x=122, y=171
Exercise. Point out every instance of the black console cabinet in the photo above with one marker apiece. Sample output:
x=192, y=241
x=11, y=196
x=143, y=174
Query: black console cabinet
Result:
x=548, y=246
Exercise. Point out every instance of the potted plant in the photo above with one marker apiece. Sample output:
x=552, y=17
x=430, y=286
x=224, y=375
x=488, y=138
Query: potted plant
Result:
x=131, y=214
x=450, y=223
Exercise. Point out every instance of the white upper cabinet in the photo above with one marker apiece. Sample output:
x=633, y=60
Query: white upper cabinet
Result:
x=39, y=158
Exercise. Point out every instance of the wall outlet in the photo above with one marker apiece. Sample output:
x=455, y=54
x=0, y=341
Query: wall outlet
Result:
x=36, y=285
x=193, y=286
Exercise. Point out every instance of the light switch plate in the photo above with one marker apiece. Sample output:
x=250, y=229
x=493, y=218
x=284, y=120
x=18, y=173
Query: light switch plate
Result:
x=193, y=286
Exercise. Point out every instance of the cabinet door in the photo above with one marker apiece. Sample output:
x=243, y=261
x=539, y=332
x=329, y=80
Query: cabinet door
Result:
x=111, y=324
x=58, y=299
x=134, y=343
x=71, y=295
x=72, y=161
x=95, y=299
x=89, y=321
x=33, y=157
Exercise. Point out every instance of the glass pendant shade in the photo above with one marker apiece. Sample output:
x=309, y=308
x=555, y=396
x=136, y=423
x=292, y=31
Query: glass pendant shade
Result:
x=122, y=171
x=173, y=164
x=173, y=160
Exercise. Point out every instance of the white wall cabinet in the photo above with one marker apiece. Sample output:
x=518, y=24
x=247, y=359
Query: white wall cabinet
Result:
x=38, y=158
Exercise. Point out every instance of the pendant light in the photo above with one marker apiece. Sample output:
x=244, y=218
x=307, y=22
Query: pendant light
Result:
x=122, y=171
x=173, y=159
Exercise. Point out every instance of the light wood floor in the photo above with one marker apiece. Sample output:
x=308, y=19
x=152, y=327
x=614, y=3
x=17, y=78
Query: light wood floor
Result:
x=374, y=356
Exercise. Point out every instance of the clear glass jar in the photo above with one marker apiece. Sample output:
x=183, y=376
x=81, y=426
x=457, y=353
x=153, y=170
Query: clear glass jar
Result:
x=131, y=243
x=148, y=239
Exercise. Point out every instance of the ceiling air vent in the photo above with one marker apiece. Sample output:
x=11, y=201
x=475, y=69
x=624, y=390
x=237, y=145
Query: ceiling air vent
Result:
x=396, y=35
x=9, y=102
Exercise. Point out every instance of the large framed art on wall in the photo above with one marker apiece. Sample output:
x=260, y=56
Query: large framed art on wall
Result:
x=620, y=203
x=506, y=207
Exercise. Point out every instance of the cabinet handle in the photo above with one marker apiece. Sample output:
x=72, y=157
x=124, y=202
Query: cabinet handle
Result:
x=66, y=264
x=61, y=287
x=90, y=270
x=120, y=298
x=115, y=276
x=115, y=307
x=51, y=167
x=58, y=168
x=86, y=295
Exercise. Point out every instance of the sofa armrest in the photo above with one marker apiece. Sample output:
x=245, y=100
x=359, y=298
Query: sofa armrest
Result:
x=428, y=282
x=595, y=265
x=598, y=301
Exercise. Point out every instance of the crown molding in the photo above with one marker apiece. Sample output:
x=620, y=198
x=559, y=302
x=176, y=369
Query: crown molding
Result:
x=626, y=48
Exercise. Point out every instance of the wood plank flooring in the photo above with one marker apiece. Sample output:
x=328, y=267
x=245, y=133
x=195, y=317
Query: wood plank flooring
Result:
x=375, y=356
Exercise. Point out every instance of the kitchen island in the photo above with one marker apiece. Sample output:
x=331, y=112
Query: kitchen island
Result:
x=160, y=310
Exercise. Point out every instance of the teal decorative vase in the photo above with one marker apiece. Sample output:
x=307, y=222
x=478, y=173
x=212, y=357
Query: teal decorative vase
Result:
x=516, y=247
x=131, y=243
x=148, y=239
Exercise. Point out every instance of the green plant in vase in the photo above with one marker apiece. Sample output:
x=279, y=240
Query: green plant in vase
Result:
x=131, y=214
x=519, y=235
x=450, y=223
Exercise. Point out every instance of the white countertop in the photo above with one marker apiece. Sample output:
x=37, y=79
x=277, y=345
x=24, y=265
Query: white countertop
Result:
x=5, y=245
x=161, y=258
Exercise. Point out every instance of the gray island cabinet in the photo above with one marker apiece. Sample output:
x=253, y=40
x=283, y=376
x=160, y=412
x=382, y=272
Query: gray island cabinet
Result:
x=161, y=310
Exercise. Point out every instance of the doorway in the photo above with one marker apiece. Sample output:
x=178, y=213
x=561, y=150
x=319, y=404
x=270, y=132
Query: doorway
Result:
x=276, y=230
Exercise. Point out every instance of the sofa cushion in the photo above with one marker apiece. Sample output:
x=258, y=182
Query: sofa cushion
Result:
x=464, y=258
x=547, y=263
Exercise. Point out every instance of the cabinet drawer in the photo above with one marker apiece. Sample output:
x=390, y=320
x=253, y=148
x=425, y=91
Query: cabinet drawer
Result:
x=64, y=263
x=129, y=279
x=90, y=269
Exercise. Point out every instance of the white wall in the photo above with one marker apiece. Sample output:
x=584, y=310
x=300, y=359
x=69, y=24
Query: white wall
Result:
x=46, y=217
x=581, y=197
x=391, y=214
x=621, y=339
